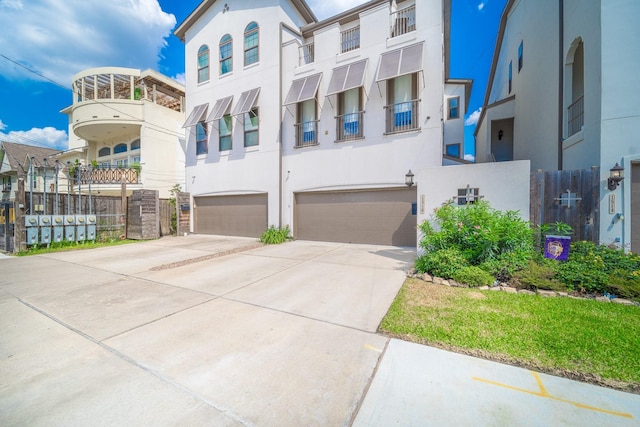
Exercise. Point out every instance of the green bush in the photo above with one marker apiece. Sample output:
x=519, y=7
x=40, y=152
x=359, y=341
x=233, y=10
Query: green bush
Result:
x=473, y=276
x=442, y=263
x=538, y=274
x=274, y=236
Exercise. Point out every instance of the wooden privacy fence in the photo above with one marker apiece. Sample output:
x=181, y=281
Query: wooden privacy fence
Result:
x=569, y=196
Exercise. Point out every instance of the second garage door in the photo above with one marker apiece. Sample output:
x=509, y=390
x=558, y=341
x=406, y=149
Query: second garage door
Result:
x=244, y=215
x=381, y=216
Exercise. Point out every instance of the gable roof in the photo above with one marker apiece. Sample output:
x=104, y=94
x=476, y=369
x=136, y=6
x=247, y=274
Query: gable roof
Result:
x=180, y=32
x=18, y=155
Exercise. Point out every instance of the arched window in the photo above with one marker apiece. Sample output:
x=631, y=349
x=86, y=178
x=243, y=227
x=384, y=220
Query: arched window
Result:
x=203, y=63
x=120, y=148
x=135, y=145
x=251, y=39
x=574, y=87
x=104, y=151
x=226, y=54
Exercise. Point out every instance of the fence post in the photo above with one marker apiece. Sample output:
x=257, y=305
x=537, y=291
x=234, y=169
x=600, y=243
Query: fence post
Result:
x=18, y=226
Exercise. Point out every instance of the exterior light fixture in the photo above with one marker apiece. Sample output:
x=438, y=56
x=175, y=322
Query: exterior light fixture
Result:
x=408, y=179
x=616, y=174
x=500, y=134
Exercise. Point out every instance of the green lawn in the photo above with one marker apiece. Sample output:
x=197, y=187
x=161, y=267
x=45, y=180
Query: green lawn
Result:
x=70, y=246
x=582, y=339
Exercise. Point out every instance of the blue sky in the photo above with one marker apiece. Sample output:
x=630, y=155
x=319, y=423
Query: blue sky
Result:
x=56, y=39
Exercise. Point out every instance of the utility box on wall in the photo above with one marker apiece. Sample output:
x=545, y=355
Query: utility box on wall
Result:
x=143, y=215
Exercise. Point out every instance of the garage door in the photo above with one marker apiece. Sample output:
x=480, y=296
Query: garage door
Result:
x=244, y=215
x=635, y=207
x=381, y=217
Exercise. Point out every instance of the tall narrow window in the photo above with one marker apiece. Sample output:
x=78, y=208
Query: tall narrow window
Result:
x=226, y=54
x=307, y=123
x=251, y=36
x=251, y=127
x=349, y=115
x=520, y=59
x=510, y=75
x=402, y=108
x=454, y=108
x=225, y=132
x=202, y=146
x=203, y=63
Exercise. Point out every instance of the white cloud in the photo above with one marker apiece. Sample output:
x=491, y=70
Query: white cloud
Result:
x=59, y=38
x=2, y=125
x=48, y=137
x=180, y=78
x=470, y=157
x=473, y=118
x=482, y=5
x=324, y=9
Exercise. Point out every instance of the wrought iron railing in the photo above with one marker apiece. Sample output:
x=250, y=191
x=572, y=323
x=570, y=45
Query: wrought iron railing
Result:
x=350, y=39
x=403, y=21
x=306, y=54
x=306, y=134
x=402, y=117
x=108, y=175
x=349, y=126
x=576, y=116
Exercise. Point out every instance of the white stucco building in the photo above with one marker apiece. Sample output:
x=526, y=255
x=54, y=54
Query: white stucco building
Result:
x=315, y=125
x=562, y=93
x=127, y=124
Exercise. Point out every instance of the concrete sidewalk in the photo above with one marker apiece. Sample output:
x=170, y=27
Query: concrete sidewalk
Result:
x=168, y=332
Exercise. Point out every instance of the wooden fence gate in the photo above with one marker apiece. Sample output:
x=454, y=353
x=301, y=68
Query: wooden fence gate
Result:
x=569, y=196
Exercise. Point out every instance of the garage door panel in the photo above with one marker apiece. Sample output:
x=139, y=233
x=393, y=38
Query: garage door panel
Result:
x=373, y=216
x=243, y=215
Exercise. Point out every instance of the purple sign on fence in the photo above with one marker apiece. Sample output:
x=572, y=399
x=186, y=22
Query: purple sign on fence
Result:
x=557, y=247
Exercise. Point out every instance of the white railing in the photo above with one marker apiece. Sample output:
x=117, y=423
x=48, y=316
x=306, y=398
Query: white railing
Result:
x=350, y=39
x=403, y=21
x=306, y=54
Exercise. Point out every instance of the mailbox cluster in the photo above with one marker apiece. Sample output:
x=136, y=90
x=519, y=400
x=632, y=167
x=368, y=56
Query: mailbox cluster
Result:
x=57, y=228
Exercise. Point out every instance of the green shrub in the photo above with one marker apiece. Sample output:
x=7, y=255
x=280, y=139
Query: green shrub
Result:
x=473, y=276
x=505, y=265
x=442, y=263
x=623, y=285
x=538, y=274
x=584, y=270
x=274, y=236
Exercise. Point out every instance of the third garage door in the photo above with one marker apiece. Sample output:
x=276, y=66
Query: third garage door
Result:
x=381, y=216
x=244, y=215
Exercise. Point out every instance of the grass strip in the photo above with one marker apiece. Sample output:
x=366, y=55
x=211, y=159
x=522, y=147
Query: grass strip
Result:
x=580, y=339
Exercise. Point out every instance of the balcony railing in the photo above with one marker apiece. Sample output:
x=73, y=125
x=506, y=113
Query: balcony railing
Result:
x=306, y=54
x=107, y=175
x=350, y=39
x=349, y=126
x=576, y=116
x=402, y=117
x=403, y=21
x=306, y=134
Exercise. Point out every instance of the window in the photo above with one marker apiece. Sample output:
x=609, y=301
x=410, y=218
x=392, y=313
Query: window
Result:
x=402, y=108
x=574, y=83
x=453, y=150
x=520, y=57
x=350, y=115
x=350, y=39
x=251, y=35
x=454, y=108
x=203, y=63
x=104, y=151
x=202, y=146
x=135, y=145
x=122, y=163
x=306, y=127
x=6, y=183
x=510, y=75
x=120, y=148
x=226, y=54
x=224, y=132
x=251, y=127
x=403, y=20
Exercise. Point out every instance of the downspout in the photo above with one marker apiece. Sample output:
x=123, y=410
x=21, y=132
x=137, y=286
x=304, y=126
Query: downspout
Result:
x=560, y=82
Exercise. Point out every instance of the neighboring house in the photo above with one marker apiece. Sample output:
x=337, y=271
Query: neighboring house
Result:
x=127, y=125
x=316, y=125
x=28, y=161
x=563, y=93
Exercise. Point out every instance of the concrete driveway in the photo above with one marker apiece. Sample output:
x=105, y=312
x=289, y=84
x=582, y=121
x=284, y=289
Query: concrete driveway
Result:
x=142, y=335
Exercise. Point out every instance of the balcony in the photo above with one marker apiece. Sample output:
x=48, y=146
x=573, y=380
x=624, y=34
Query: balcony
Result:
x=350, y=39
x=349, y=126
x=402, y=117
x=306, y=54
x=107, y=175
x=575, y=116
x=404, y=21
x=306, y=134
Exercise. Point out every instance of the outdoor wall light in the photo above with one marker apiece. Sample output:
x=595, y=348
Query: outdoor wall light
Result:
x=616, y=174
x=500, y=133
x=408, y=178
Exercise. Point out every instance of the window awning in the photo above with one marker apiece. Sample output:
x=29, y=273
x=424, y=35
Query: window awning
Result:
x=247, y=101
x=400, y=62
x=303, y=89
x=196, y=115
x=220, y=109
x=347, y=77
